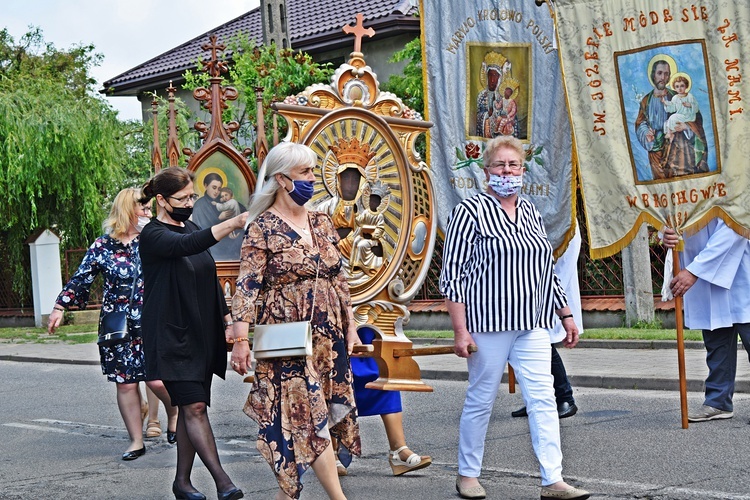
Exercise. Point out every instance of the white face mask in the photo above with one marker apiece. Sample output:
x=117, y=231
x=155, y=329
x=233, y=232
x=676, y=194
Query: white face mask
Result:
x=142, y=221
x=506, y=185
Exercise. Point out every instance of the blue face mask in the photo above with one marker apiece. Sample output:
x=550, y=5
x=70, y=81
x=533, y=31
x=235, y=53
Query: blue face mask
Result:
x=301, y=191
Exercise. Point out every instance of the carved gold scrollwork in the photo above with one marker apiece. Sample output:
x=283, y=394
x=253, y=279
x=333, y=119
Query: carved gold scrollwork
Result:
x=380, y=198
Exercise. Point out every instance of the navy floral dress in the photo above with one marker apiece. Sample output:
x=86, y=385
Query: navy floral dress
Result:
x=118, y=263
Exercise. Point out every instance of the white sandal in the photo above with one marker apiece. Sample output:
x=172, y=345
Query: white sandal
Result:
x=414, y=462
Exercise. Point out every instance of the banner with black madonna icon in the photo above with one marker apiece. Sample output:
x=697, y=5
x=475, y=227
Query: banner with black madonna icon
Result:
x=491, y=68
x=657, y=100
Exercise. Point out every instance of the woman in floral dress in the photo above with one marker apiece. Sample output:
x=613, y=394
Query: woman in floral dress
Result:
x=115, y=256
x=298, y=402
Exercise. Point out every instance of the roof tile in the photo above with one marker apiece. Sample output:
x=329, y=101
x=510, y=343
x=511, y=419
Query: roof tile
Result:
x=307, y=18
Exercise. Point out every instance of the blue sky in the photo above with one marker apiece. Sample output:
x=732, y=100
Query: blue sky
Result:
x=126, y=32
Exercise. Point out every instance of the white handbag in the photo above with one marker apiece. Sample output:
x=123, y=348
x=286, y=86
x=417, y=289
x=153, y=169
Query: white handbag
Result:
x=283, y=340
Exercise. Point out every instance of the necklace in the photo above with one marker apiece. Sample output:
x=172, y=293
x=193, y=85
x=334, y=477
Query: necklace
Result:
x=288, y=219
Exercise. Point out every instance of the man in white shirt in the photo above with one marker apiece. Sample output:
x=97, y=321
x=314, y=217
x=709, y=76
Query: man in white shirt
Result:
x=715, y=283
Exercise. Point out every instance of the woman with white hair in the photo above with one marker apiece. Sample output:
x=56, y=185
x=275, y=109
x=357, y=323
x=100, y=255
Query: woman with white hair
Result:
x=290, y=261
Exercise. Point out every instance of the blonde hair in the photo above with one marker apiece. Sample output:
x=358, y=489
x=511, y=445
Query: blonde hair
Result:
x=281, y=159
x=122, y=213
x=503, y=142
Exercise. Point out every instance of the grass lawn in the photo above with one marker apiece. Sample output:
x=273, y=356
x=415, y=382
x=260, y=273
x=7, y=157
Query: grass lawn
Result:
x=72, y=334
x=591, y=333
x=81, y=334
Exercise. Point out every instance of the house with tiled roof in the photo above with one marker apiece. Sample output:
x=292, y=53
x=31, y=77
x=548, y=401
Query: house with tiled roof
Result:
x=315, y=27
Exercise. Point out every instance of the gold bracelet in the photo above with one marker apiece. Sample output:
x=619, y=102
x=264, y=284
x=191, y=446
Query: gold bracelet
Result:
x=241, y=339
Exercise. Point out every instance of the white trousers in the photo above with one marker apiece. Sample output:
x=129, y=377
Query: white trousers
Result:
x=529, y=353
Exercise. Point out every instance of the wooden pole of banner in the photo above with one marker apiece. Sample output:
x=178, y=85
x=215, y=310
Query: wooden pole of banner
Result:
x=511, y=380
x=680, y=343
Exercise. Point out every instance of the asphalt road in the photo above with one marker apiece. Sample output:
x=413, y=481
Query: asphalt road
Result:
x=62, y=437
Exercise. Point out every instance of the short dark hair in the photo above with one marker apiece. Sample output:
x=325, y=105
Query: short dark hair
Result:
x=227, y=190
x=209, y=178
x=166, y=183
x=657, y=63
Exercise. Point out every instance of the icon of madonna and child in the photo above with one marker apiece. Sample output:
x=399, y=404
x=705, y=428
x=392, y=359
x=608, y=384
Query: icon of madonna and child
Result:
x=357, y=204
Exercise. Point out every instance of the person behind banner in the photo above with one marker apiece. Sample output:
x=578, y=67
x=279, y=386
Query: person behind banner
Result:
x=566, y=268
x=386, y=404
x=714, y=284
x=685, y=152
x=502, y=294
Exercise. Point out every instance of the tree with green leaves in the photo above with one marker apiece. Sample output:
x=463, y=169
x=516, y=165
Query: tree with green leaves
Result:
x=63, y=152
x=280, y=72
x=408, y=85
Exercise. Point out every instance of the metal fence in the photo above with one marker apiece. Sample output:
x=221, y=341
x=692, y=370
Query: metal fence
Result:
x=597, y=278
x=602, y=277
x=11, y=301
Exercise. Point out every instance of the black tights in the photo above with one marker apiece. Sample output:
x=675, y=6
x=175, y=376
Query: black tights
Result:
x=194, y=435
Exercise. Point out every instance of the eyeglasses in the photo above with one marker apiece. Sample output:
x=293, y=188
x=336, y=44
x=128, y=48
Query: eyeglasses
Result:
x=145, y=208
x=514, y=167
x=182, y=200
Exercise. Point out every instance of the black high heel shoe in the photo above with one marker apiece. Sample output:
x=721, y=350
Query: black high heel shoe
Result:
x=132, y=455
x=232, y=494
x=187, y=495
x=171, y=437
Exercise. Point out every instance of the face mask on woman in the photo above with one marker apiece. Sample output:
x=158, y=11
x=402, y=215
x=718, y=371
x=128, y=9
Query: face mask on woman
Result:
x=301, y=191
x=142, y=221
x=181, y=214
x=506, y=185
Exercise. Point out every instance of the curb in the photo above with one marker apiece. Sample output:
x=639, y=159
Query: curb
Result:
x=56, y=361
x=599, y=382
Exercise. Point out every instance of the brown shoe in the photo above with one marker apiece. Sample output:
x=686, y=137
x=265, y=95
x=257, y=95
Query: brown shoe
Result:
x=569, y=494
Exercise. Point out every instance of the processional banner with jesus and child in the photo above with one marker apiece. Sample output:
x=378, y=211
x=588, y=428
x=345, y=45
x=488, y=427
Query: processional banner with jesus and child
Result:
x=657, y=100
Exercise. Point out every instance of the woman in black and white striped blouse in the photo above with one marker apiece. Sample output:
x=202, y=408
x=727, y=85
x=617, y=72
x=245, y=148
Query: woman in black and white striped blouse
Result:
x=501, y=293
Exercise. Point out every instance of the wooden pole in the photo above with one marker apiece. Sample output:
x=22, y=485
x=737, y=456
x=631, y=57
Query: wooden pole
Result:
x=511, y=380
x=680, y=344
x=427, y=351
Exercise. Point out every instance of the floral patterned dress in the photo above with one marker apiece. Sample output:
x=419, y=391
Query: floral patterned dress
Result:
x=299, y=403
x=118, y=263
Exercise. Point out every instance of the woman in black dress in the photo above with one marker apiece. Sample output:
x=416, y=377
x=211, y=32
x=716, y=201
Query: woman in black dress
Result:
x=185, y=321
